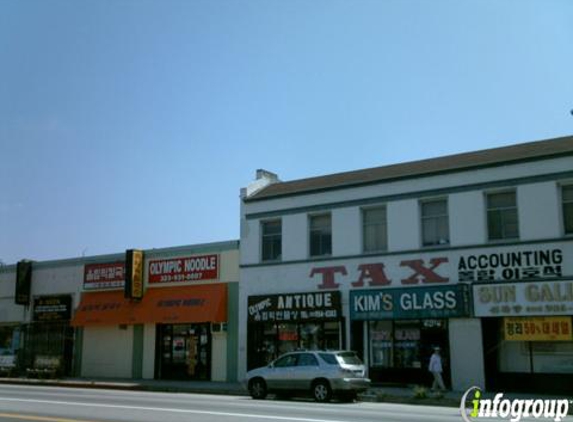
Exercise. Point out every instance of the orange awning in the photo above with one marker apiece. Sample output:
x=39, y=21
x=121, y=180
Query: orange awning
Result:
x=173, y=305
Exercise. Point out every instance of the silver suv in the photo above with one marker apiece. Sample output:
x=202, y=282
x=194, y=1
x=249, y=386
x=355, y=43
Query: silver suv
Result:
x=320, y=373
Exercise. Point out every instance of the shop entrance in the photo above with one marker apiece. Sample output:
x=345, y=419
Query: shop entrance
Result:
x=398, y=352
x=184, y=351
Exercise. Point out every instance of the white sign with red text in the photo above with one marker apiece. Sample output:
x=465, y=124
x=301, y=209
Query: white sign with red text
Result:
x=179, y=270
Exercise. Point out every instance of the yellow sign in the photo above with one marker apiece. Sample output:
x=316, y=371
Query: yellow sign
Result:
x=137, y=275
x=538, y=329
x=133, y=288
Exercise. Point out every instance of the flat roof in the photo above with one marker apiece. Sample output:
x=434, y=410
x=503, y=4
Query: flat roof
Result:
x=512, y=154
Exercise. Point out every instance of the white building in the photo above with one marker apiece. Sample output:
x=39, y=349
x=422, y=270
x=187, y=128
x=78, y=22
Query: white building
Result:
x=471, y=252
x=75, y=313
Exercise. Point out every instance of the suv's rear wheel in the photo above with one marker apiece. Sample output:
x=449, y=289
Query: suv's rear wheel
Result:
x=258, y=389
x=321, y=391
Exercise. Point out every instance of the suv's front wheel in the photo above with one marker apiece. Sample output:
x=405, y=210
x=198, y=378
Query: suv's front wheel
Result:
x=258, y=389
x=321, y=391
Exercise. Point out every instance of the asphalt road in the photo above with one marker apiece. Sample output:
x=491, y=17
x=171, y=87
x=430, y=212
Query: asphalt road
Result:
x=53, y=404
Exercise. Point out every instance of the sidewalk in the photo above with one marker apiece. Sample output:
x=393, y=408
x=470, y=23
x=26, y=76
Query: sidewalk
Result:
x=385, y=394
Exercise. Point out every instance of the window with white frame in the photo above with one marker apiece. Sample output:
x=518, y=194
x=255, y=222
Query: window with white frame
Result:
x=271, y=240
x=320, y=228
x=374, y=229
x=567, y=198
x=435, y=224
x=502, y=216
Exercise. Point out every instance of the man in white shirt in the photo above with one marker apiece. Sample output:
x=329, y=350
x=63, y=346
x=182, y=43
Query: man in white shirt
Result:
x=435, y=368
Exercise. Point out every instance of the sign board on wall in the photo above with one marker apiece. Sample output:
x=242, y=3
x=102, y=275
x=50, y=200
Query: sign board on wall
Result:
x=104, y=276
x=133, y=288
x=521, y=262
x=523, y=298
x=23, y=282
x=410, y=303
x=537, y=329
x=52, y=308
x=293, y=307
x=176, y=270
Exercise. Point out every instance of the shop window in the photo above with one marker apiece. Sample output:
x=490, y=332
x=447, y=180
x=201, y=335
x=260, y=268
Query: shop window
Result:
x=8, y=340
x=435, y=225
x=567, y=197
x=502, y=216
x=271, y=242
x=374, y=229
x=320, y=235
x=407, y=344
x=311, y=336
x=381, y=344
x=288, y=338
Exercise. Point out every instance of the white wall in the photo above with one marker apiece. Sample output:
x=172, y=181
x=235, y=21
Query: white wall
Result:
x=346, y=233
x=251, y=233
x=219, y=357
x=149, y=333
x=295, y=237
x=466, y=353
x=539, y=211
x=467, y=218
x=9, y=311
x=403, y=225
x=107, y=352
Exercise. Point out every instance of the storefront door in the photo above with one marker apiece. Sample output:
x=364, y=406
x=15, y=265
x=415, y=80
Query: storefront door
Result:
x=184, y=351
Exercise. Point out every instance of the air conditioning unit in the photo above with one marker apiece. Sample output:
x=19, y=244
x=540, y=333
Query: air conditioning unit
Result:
x=219, y=327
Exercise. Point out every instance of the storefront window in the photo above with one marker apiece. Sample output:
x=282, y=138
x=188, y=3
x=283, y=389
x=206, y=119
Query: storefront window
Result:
x=311, y=336
x=269, y=340
x=8, y=340
x=288, y=338
x=407, y=344
x=332, y=333
x=381, y=345
x=185, y=351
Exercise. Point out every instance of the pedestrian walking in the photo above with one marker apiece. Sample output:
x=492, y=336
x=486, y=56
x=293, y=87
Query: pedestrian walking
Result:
x=436, y=369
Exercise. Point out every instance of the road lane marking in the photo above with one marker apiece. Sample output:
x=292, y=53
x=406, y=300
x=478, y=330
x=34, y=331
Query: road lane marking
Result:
x=39, y=418
x=171, y=410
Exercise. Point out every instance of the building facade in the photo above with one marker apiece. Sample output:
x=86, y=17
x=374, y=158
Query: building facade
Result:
x=182, y=325
x=472, y=253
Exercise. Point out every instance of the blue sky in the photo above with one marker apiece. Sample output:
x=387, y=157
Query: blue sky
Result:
x=134, y=123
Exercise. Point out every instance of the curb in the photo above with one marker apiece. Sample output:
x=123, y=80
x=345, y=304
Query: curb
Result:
x=122, y=386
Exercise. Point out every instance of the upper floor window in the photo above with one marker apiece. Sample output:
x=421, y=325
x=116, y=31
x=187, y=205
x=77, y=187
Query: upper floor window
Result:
x=374, y=229
x=271, y=232
x=567, y=197
x=320, y=235
x=435, y=225
x=502, y=216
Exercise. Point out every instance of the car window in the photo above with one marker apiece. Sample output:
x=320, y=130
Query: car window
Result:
x=349, y=358
x=306, y=359
x=288, y=360
x=328, y=358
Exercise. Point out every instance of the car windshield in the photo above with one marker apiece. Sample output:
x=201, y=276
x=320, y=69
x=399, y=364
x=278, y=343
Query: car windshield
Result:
x=349, y=358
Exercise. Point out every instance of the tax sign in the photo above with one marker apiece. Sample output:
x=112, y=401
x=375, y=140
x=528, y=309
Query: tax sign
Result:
x=178, y=270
